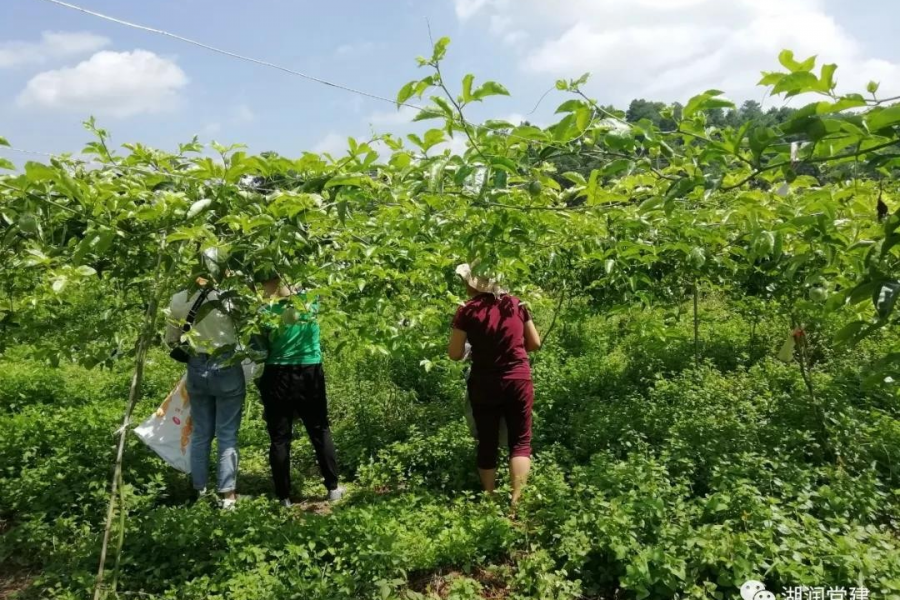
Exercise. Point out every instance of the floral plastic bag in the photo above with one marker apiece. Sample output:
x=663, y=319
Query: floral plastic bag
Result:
x=168, y=430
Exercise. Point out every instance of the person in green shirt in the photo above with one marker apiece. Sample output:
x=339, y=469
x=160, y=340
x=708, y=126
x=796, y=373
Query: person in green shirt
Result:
x=293, y=385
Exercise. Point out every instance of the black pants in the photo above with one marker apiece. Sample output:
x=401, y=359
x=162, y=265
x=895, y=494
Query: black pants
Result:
x=290, y=391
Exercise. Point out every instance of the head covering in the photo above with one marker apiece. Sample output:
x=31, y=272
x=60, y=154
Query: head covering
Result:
x=482, y=284
x=213, y=260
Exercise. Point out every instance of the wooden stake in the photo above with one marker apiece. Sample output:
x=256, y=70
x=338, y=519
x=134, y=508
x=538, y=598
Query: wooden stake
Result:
x=143, y=345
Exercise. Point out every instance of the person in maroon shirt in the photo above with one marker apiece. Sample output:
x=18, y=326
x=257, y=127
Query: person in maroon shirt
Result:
x=500, y=332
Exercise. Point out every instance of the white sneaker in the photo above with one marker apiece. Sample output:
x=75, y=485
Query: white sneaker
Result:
x=286, y=502
x=336, y=494
x=229, y=503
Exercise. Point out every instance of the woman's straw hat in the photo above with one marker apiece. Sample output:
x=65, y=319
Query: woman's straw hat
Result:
x=482, y=284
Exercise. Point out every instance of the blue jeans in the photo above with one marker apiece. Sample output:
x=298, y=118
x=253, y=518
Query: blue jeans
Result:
x=217, y=401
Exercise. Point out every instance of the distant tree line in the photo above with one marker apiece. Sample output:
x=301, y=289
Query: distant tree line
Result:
x=751, y=110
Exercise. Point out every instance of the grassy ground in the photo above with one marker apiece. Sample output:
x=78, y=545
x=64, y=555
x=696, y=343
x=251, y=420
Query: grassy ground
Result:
x=653, y=477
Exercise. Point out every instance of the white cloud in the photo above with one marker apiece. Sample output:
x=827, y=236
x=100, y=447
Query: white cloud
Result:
x=332, y=143
x=402, y=116
x=244, y=114
x=671, y=49
x=355, y=50
x=458, y=144
x=119, y=84
x=514, y=38
x=503, y=27
x=466, y=9
x=53, y=45
x=212, y=128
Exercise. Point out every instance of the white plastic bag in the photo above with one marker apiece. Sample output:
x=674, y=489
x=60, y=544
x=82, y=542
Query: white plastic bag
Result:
x=168, y=430
x=251, y=369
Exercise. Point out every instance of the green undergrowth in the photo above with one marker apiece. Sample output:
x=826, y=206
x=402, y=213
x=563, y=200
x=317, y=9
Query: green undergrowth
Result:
x=656, y=476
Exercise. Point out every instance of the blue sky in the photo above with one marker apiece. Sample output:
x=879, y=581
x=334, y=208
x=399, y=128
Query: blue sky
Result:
x=57, y=66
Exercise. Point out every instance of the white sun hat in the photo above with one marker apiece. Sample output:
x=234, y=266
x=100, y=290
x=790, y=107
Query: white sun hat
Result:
x=482, y=284
x=213, y=259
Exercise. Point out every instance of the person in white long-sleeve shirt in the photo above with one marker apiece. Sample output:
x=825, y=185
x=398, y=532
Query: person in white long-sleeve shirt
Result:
x=216, y=388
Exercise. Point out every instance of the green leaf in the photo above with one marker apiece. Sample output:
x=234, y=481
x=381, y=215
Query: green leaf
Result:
x=401, y=160
x=433, y=137
x=886, y=298
x=786, y=58
x=406, y=92
x=583, y=119
x=415, y=139
x=826, y=79
x=708, y=100
x=609, y=265
x=650, y=203
x=38, y=172
x=562, y=131
x=440, y=49
x=28, y=223
x=489, y=88
x=621, y=165
x=843, y=103
x=423, y=85
x=863, y=291
x=760, y=139
x=198, y=207
x=849, y=333
x=574, y=177
x=467, y=87
x=771, y=78
x=427, y=114
x=104, y=241
x=571, y=106
x=697, y=258
x=529, y=132
x=59, y=284
x=881, y=118
x=593, y=186
x=87, y=244
x=872, y=87
x=3, y=141
x=681, y=187
x=796, y=83
x=507, y=164
x=786, y=354
x=347, y=180
x=5, y=164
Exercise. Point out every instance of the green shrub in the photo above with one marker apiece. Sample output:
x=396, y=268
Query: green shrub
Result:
x=654, y=477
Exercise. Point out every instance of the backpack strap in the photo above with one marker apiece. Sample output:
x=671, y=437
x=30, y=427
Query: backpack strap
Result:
x=192, y=314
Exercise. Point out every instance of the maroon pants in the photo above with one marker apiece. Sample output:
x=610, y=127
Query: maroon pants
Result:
x=496, y=398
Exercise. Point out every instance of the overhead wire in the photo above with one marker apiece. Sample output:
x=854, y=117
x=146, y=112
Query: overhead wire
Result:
x=461, y=120
x=224, y=52
x=265, y=63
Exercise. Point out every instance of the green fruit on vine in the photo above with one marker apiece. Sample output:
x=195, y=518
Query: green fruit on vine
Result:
x=28, y=224
x=818, y=294
x=535, y=187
